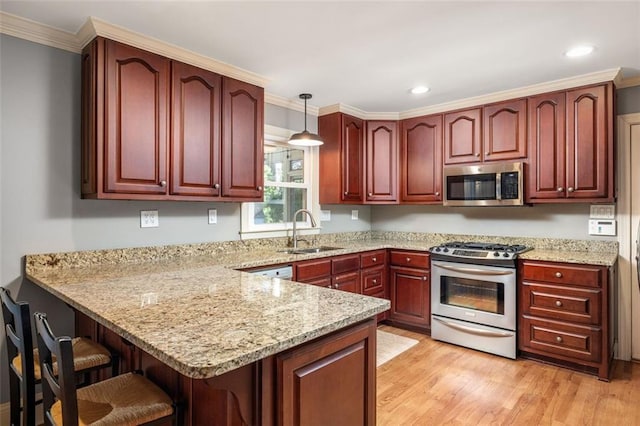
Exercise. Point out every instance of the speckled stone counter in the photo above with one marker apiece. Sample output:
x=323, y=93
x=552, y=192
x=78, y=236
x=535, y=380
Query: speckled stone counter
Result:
x=188, y=307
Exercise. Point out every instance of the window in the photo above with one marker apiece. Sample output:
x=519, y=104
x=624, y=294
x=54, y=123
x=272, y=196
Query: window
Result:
x=288, y=187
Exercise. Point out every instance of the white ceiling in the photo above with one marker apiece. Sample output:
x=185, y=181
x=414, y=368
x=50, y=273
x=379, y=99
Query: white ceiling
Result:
x=369, y=54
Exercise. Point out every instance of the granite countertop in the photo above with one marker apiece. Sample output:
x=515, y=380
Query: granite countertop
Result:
x=188, y=306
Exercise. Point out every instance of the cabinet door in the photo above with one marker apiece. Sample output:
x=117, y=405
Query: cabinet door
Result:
x=352, y=158
x=462, y=135
x=382, y=161
x=421, y=160
x=242, y=144
x=546, y=175
x=329, y=382
x=195, y=142
x=349, y=281
x=410, y=296
x=589, y=144
x=137, y=84
x=505, y=130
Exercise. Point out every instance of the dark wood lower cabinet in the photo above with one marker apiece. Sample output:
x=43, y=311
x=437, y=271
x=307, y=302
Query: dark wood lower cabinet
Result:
x=410, y=297
x=328, y=381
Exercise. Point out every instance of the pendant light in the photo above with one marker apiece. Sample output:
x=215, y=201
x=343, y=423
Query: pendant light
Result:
x=305, y=138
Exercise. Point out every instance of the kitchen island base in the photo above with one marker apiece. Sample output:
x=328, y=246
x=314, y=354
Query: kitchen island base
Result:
x=329, y=380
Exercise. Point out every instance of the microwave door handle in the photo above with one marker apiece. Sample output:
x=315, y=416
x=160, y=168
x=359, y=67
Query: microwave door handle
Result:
x=498, y=186
x=473, y=330
x=474, y=270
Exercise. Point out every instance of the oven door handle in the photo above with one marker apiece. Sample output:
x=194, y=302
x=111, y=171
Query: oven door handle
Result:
x=473, y=330
x=474, y=270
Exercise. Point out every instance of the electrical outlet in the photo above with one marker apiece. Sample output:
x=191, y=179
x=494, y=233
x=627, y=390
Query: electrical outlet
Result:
x=213, y=216
x=354, y=214
x=325, y=215
x=149, y=219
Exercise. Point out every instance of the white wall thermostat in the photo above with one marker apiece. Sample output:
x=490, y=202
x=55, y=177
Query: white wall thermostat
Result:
x=602, y=227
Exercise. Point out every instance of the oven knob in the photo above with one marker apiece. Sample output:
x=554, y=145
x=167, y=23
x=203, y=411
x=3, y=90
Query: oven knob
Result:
x=445, y=250
x=496, y=254
x=437, y=249
x=505, y=254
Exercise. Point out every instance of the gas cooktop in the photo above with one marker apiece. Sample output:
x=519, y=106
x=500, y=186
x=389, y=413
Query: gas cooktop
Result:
x=478, y=251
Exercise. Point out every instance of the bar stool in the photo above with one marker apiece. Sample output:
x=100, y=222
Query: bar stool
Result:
x=128, y=399
x=24, y=364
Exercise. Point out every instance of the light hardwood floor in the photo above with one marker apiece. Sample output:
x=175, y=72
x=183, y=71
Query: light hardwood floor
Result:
x=436, y=383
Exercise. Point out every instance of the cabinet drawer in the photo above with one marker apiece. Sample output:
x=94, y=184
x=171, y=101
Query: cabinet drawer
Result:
x=373, y=258
x=373, y=281
x=313, y=269
x=412, y=259
x=345, y=264
x=582, y=275
x=574, y=304
x=349, y=281
x=321, y=282
x=571, y=341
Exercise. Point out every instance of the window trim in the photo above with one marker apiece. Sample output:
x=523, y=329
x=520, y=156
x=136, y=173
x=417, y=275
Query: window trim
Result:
x=248, y=230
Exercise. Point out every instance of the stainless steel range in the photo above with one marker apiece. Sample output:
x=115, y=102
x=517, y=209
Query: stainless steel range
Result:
x=473, y=295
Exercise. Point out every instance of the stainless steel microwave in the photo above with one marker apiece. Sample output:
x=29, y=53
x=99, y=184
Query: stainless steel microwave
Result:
x=497, y=184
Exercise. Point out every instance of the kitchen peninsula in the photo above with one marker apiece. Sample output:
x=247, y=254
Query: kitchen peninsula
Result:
x=236, y=347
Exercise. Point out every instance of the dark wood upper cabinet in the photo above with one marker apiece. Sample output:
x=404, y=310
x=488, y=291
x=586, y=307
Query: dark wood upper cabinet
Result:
x=421, y=160
x=195, y=142
x=589, y=142
x=341, y=159
x=382, y=161
x=462, y=133
x=136, y=125
x=242, y=139
x=157, y=129
x=571, y=135
x=546, y=175
x=505, y=130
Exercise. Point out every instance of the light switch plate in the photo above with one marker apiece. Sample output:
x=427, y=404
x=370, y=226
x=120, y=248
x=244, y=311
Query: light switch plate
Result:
x=149, y=219
x=325, y=215
x=213, y=216
x=602, y=227
x=354, y=214
x=602, y=211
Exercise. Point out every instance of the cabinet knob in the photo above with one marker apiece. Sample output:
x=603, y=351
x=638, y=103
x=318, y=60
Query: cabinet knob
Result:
x=370, y=194
x=336, y=286
x=424, y=278
x=558, y=303
x=478, y=155
x=375, y=281
x=487, y=154
x=570, y=189
x=163, y=183
x=216, y=185
x=374, y=259
x=558, y=274
x=259, y=188
x=560, y=189
x=437, y=194
x=559, y=339
x=345, y=192
x=408, y=259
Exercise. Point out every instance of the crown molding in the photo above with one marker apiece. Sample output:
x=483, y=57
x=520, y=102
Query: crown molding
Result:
x=43, y=34
x=628, y=82
x=293, y=104
x=356, y=112
x=36, y=32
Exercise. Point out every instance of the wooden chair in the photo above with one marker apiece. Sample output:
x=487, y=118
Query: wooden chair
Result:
x=128, y=399
x=24, y=364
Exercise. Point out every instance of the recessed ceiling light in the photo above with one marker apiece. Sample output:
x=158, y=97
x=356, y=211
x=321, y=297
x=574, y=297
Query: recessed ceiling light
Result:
x=577, y=51
x=418, y=90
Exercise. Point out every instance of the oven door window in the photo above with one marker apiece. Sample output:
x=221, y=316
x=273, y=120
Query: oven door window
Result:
x=472, y=187
x=472, y=294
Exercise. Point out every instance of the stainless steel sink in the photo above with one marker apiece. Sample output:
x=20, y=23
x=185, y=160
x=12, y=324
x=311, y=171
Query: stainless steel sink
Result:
x=308, y=250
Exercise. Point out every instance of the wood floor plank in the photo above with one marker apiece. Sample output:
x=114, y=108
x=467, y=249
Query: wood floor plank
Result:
x=435, y=383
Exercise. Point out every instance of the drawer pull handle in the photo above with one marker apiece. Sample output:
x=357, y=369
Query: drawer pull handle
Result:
x=558, y=274
x=558, y=303
x=559, y=339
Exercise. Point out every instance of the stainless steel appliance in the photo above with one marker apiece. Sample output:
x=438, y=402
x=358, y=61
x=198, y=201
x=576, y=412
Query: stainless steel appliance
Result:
x=499, y=184
x=473, y=295
x=284, y=272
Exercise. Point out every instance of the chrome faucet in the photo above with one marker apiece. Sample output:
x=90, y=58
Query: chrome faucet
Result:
x=295, y=230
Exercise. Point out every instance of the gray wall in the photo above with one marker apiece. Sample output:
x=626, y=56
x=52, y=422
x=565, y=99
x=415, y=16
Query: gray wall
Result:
x=628, y=100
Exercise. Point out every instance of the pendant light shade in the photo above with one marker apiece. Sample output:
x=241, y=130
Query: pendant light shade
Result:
x=305, y=138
